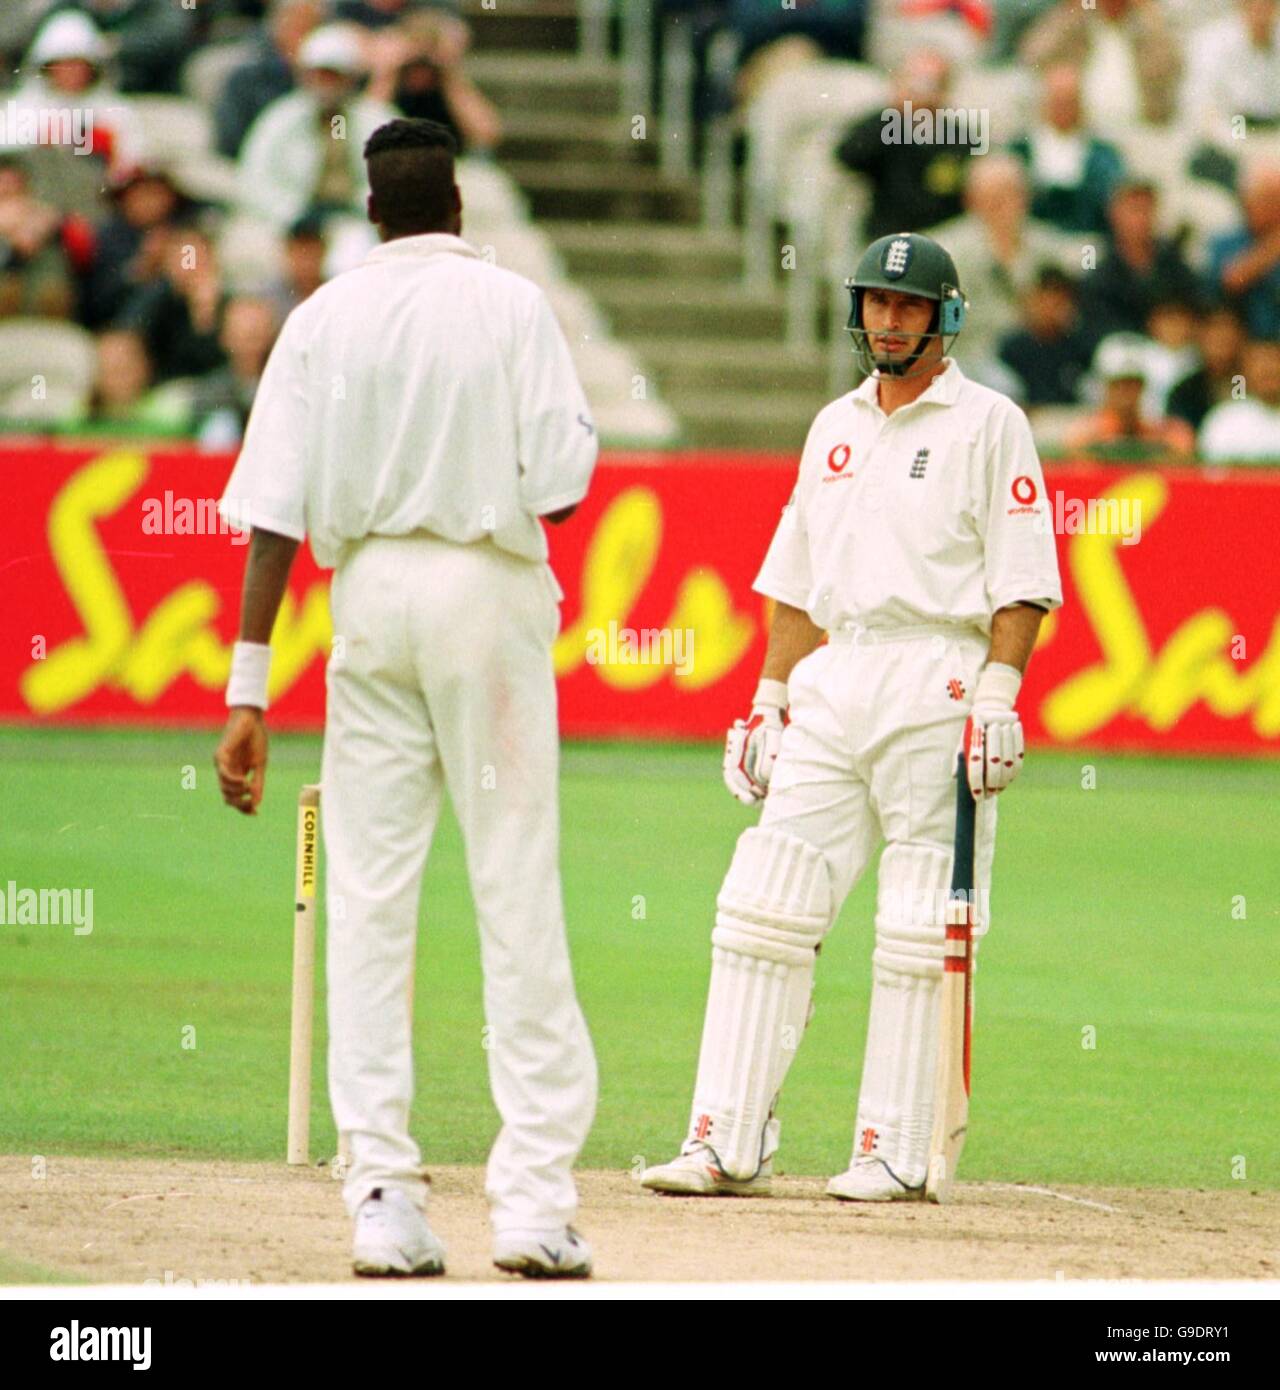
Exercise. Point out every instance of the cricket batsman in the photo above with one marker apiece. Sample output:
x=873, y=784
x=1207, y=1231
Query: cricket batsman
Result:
x=417, y=417
x=916, y=544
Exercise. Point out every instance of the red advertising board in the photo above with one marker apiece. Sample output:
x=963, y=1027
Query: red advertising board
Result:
x=122, y=593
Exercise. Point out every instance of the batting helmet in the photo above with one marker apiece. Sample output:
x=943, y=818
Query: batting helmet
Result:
x=910, y=264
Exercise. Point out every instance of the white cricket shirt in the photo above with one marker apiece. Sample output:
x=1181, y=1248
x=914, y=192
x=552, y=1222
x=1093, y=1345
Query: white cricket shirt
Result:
x=934, y=514
x=425, y=390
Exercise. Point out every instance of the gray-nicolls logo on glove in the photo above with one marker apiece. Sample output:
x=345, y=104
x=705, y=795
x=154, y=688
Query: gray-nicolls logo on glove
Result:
x=751, y=746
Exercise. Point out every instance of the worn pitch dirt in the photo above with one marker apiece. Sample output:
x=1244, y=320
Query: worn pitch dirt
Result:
x=137, y=1220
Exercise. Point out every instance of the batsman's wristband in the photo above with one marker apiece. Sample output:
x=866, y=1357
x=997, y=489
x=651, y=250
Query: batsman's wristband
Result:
x=771, y=693
x=250, y=667
x=998, y=685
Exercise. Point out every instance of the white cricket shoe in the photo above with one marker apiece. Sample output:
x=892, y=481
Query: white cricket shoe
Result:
x=870, y=1180
x=393, y=1239
x=695, y=1173
x=543, y=1254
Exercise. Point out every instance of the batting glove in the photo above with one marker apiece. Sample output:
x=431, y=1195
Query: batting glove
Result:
x=751, y=746
x=993, y=744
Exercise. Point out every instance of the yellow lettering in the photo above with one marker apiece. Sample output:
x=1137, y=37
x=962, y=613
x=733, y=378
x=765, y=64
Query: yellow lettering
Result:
x=619, y=562
x=1192, y=666
x=77, y=667
x=178, y=637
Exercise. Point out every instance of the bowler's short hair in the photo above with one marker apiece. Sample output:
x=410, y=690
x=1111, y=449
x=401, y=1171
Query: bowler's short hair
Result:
x=411, y=174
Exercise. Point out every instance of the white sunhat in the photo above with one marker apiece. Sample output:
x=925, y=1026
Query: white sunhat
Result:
x=335, y=47
x=68, y=34
x=1123, y=355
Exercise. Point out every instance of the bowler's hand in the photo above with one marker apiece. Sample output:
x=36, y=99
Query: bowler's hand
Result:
x=241, y=759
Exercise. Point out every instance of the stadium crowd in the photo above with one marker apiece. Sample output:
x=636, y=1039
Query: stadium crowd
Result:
x=1135, y=304
x=1133, y=301
x=145, y=274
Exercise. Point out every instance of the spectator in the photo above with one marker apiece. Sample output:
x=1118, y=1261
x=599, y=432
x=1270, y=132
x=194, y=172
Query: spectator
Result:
x=304, y=152
x=1120, y=430
x=1129, y=58
x=1244, y=265
x=380, y=14
x=418, y=68
x=66, y=92
x=1248, y=431
x=1220, y=340
x=912, y=184
x=1072, y=172
x=125, y=400
x=774, y=37
x=1173, y=355
x=221, y=399
x=129, y=245
x=1048, y=352
x=179, y=313
x=303, y=255
x=250, y=89
x=998, y=250
x=151, y=38
x=42, y=252
x=1234, y=74
x=1010, y=21
x=1137, y=269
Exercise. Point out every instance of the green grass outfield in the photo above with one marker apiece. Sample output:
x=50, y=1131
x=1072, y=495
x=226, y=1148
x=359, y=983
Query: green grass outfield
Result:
x=1113, y=910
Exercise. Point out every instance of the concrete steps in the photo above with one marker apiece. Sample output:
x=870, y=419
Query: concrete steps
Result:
x=653, y=249
x=583, y=136
x=631, y=237
x=527, y=81
x=617, y=191
x=734, y=419
x=755, y=365
x=523, y=25
x=689, y=310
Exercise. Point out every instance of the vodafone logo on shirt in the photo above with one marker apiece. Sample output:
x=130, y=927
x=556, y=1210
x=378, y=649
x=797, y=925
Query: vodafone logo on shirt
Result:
x=1025, y=493
x=837, y=462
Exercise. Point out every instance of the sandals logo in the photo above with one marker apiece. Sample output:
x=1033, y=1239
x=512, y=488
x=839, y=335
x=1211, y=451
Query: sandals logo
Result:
x=136, y=620
x=176, y=638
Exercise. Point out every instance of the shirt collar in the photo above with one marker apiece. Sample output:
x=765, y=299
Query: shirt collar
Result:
x=419, y=247
x=944, y=389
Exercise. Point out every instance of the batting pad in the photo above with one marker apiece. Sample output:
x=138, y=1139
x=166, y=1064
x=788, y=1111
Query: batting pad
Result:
x=895, y=1103
x=773, y=910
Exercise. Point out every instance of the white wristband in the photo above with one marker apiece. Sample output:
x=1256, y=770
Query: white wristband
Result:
x=250, y=667
x=997, y=685
x=772, y=693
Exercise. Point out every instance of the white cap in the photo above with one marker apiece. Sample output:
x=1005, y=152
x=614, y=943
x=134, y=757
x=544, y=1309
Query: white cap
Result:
x=68, y=34
x=1122, y=355
x=333, y=46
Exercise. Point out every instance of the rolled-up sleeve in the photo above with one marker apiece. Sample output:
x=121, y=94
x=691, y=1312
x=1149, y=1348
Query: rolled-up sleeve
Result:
x=267, y=487
x=555, y=434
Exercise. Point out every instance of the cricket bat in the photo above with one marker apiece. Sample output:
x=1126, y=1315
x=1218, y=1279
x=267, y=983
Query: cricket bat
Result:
x=955, y=1038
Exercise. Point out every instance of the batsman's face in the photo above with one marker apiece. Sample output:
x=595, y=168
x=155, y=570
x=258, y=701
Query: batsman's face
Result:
x=894, y=322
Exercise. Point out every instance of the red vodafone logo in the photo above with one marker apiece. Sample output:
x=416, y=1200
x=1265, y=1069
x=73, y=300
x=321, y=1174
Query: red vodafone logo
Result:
x=1024, y=490
x=838, y=458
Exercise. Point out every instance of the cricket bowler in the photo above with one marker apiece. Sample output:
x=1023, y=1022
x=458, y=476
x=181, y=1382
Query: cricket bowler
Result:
x=916, y=544
x=417, y=417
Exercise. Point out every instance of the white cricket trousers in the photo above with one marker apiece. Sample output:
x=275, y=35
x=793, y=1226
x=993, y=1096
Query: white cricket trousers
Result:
x=441, y=677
